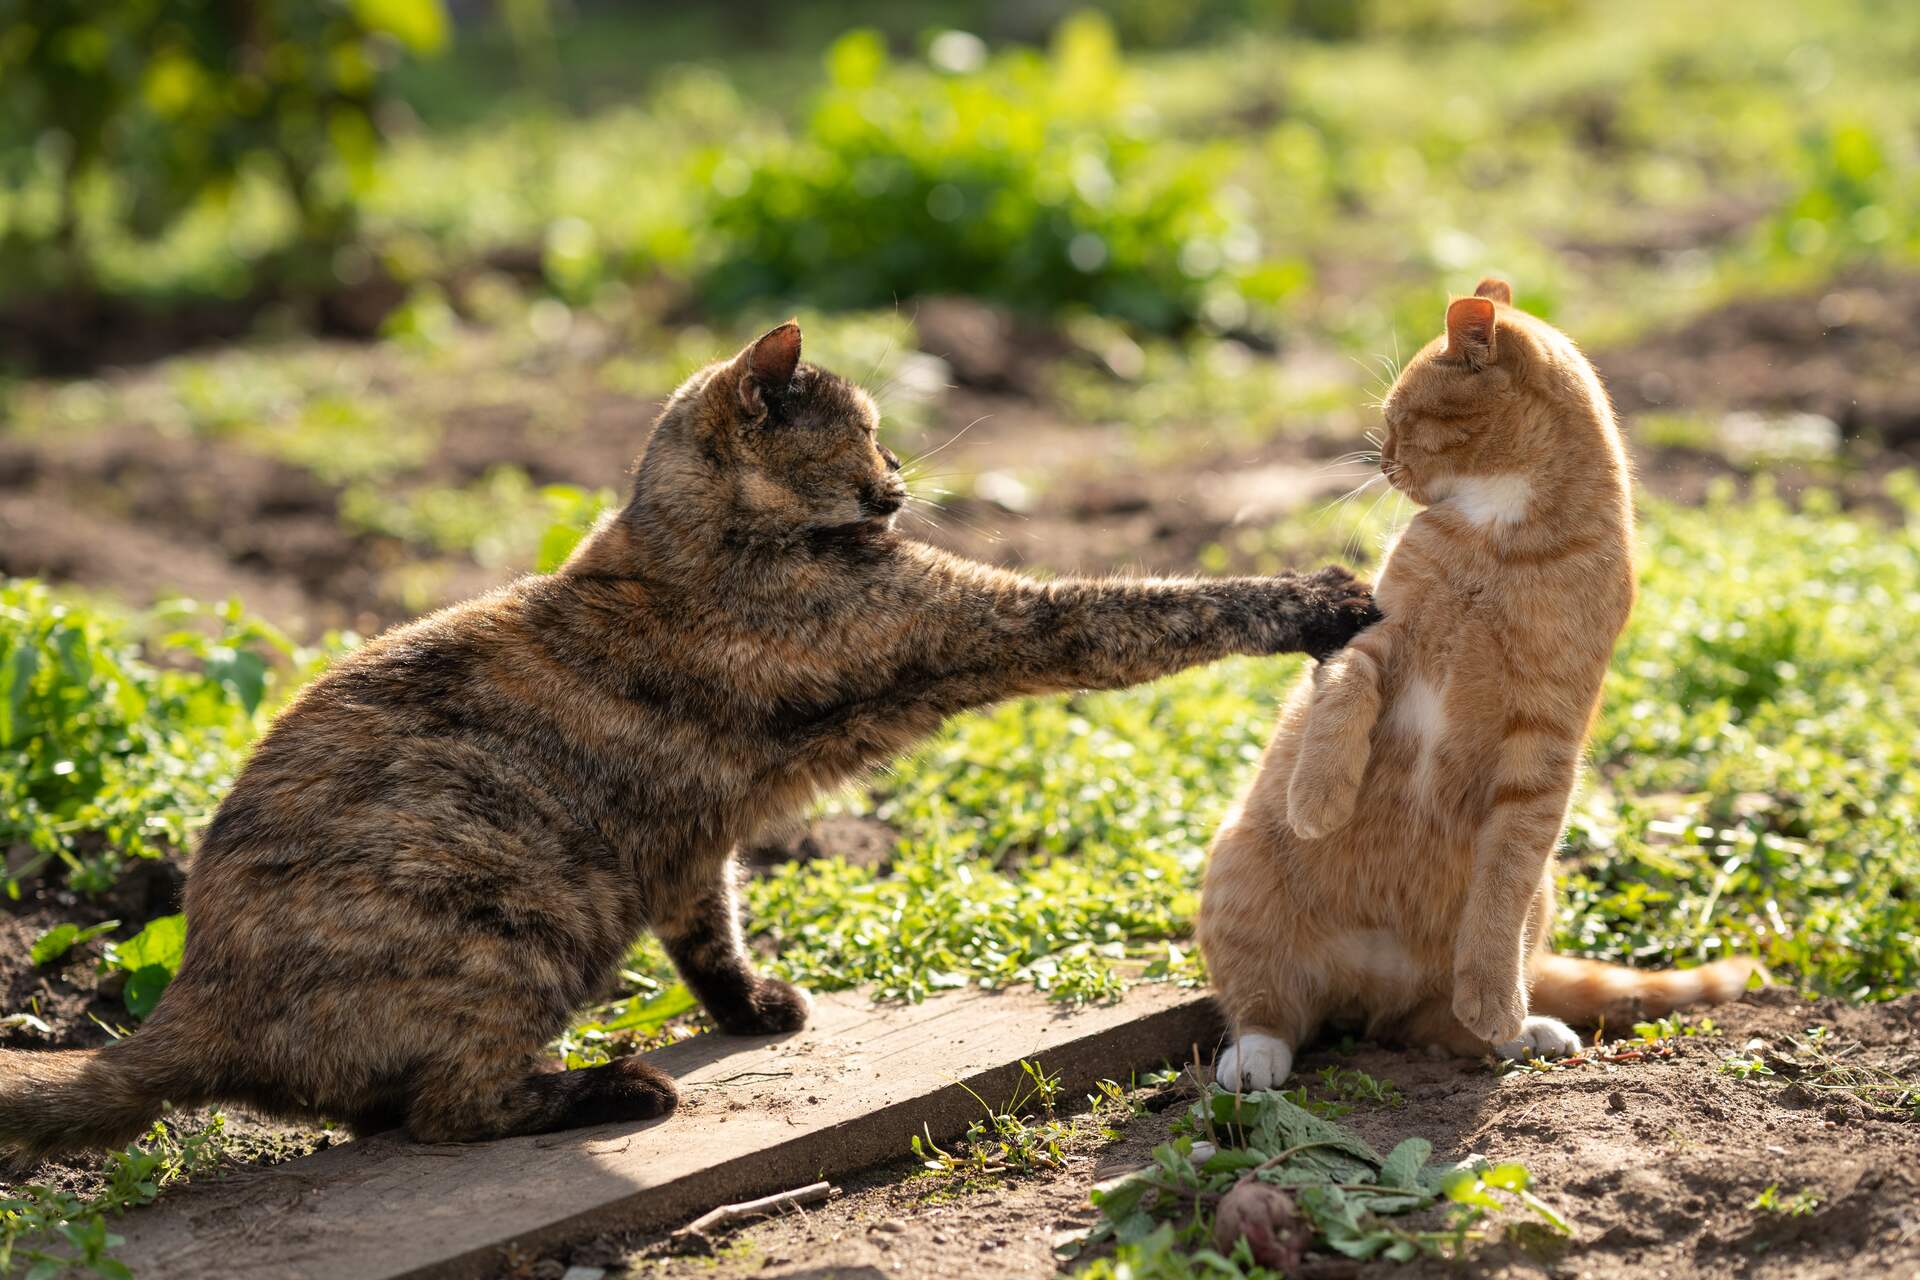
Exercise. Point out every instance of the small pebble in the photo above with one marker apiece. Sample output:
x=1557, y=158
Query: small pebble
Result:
x=584, y=1273
x=891, y=1224
x=1616, y=1101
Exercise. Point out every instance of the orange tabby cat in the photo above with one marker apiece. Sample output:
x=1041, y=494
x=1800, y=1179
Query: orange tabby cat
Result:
x=1391, y=861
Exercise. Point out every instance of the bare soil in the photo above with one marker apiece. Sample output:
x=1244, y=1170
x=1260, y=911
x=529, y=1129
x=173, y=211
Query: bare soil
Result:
x=1844, y=351
x=138, y=509
x=1657, y=1163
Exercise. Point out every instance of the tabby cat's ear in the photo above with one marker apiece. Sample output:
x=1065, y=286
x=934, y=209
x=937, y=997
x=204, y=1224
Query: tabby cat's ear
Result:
x=768, y=365
x=1470, y=331
x=1495, y=288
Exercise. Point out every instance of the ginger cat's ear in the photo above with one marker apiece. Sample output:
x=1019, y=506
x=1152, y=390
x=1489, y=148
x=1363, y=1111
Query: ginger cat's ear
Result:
x=1496, y=288
x=1470, y=331
x=768, y=365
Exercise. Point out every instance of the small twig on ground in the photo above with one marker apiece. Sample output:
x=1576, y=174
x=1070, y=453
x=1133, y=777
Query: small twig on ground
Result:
x=738, y=1076
x=731, y=1213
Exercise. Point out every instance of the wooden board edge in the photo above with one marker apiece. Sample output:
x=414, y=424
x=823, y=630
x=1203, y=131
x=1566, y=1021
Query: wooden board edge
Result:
x=1168, y=1035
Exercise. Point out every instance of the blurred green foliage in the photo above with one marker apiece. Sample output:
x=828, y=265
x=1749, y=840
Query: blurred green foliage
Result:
x=1855, y=197
x=105, y=756
x=1038, y=180
x=1240, y=152
x=121, y=117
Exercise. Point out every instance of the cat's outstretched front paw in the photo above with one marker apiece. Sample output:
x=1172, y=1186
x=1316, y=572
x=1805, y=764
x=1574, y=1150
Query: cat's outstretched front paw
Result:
x=1540, y=1038
x=1339, y=607
x=770, y=1008
x=1253, y=1062
x=1490, y=1005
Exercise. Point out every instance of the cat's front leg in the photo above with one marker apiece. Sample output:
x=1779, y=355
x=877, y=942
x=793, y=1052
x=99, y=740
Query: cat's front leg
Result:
x=1337, y=743
x=1105, y=635
x=703, y=940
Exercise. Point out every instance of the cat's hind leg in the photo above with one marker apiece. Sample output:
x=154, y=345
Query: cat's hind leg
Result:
x=450, y=1105
x=1255, y=1060
x=1265, y=974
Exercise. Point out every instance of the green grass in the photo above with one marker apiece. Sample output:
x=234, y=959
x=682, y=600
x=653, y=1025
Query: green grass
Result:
x=105, y=757
x=47, y=1231
x=1753, y=785
x=1753, y=789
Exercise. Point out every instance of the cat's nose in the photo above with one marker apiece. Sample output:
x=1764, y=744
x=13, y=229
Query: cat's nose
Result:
x=893, y=459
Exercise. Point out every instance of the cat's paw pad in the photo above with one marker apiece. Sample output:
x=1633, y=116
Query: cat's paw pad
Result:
x=1493, y=1009
x=1540, y=1038
x=1253, y=1062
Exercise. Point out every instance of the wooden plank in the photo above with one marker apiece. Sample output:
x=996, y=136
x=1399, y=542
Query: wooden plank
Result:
x=758, y=1115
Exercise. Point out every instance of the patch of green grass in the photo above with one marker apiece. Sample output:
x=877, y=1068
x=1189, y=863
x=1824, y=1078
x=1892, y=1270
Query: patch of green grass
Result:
x=1799, y=1204
x=1819, y=1067
x=47, y=1231
x=1350, y=1084
x=1756, y=786
x=1022, y=1136
x=106, y=757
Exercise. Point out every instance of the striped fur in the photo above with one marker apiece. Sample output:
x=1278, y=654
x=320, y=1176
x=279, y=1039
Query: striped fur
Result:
x=1390, y=862
x=445, y=845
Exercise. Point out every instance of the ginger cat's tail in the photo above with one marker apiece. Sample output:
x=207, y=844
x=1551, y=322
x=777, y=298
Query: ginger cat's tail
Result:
x=1586, y=992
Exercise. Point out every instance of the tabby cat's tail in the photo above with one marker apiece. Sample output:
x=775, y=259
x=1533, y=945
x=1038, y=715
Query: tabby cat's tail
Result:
x=1586, y=992
x=71, y=1099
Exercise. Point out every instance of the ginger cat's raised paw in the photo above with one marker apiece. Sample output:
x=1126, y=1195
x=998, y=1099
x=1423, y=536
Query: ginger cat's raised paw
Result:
x=1494, y=1011
x=1253, y=1062
x=1318, y=805
x=1540, y=1038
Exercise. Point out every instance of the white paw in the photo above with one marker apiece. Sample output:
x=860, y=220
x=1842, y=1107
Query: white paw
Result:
x=1253, y=1062
x=1540, y=1038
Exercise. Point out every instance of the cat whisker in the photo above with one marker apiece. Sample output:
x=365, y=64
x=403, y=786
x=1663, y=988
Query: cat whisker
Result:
x=1368, y=457
x=885, y=352
x=1350, y=495
x=921, y=458
x=978, y=530
x=1352, y=548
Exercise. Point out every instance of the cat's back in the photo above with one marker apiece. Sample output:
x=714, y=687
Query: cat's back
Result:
x=471, y=713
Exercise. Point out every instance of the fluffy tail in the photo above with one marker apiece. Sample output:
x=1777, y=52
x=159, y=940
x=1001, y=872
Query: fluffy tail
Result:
x=68, y=1099
x=1586, y=992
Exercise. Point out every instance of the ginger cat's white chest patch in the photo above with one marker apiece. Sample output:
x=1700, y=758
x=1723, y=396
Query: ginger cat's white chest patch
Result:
x=1491, y=500
x=1420, y=713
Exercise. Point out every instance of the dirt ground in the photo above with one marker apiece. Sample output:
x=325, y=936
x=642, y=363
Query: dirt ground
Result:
x=137, y=508
x=1656, y=1163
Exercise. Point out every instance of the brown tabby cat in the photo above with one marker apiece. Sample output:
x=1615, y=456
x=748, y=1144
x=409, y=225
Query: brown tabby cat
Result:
x=447, y=844
x=1391, y=860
